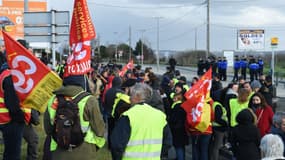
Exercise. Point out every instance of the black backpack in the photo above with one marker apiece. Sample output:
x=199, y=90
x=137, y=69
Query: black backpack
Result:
x=67, y=129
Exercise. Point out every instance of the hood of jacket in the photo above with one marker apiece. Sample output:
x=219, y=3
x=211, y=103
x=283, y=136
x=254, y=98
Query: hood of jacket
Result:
x=245, y=117
x=117, y=82
x=69, y=90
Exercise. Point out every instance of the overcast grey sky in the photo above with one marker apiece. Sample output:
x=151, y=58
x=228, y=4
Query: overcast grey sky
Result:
x=180, y=18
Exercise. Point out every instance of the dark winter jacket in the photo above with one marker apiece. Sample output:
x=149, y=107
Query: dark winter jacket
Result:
x=245, y=137
x=111, y=94
x=176, y=123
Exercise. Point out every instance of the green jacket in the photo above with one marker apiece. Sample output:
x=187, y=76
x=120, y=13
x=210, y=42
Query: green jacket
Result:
x=92, y=114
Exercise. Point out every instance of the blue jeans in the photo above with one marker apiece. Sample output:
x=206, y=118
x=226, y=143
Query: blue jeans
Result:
x=12, y=135
x=180, y=153
x=200, y=147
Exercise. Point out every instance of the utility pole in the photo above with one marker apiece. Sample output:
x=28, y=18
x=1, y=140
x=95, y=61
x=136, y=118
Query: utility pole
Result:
x=208, y=29
x=26, y=5
x=98, y=45
x=53, y=42
x=116, y=46
x=157, y=47
x=130, y=43
x=142, y=42
x=196, y=39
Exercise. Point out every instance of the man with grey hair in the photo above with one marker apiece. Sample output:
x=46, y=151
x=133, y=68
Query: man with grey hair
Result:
x=271, y=147
x=278, y=126
x=142, y=131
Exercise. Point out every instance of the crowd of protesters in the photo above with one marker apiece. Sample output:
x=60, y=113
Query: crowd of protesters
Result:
x=242, y=112
x=144, y=116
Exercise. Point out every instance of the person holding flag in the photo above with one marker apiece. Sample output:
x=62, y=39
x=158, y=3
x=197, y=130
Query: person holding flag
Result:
x=74, y=83
x=11, y=115
x=199, y=116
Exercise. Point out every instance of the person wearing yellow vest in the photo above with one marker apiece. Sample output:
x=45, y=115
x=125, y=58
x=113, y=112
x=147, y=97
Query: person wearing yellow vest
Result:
x=183, y=80
x=11, y=115
x=91, y=121
x=122, y=103
x=247, y=86
x=142, y=132
x=220, y=127
x=238, y=104
x=176, y=122
x=30, y=134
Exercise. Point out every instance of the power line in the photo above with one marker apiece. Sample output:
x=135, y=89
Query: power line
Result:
x=236, y=26
x=136, y=7
x=176, y=19
x=232, y=1
x=183, y=33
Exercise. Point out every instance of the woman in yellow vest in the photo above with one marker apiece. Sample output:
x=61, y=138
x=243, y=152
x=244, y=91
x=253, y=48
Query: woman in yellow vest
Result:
x=176, y=122
x=238, y=104
x=142, y=132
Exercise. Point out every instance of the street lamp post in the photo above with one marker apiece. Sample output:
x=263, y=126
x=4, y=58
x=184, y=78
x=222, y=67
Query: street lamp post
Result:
x=142, y=42
x=157, y=49
x=116, y=46
x=208, y=29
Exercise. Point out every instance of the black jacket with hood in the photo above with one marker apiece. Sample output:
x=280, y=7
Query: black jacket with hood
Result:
x=246, y=137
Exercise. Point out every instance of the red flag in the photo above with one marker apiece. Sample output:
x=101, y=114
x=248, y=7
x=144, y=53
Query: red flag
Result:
x=202, y=87
x=198, y=114
x=130, y=65
x=34, y=82
x=81, y=33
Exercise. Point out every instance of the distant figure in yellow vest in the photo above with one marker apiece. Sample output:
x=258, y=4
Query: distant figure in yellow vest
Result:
x=91, y=121
x=142, y=131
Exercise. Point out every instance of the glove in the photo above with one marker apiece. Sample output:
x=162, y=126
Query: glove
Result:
x=17, y=116
x=35, y=120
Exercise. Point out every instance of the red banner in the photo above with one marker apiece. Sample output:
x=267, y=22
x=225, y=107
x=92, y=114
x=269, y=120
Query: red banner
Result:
x=130, y=65
x=81, y=33
x=34, y=82
x=198, y=112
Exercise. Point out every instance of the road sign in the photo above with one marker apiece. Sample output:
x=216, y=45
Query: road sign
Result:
x=50, y=27
x=274, y=41
x=42, y=26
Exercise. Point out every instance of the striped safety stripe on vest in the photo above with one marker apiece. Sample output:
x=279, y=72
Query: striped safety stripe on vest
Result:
x=4, y=112
x=147, y=124
x=173, y=105
x=90, y=136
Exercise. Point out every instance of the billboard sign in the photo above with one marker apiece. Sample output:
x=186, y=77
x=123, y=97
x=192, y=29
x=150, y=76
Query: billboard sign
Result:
x=250, y=39
x=13, y=10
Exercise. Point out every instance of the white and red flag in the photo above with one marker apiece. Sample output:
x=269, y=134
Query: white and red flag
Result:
x=34, y=82
x=128, y=66
x=196, y=107
x=81, y=33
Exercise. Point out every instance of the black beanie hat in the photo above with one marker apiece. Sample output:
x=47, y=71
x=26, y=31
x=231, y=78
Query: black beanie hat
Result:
x=77, y=80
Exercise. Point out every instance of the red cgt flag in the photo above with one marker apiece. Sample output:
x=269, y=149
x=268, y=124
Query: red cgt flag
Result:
x=130, y=65
x=81, y=33
x=198, y=111
x=34, y=82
